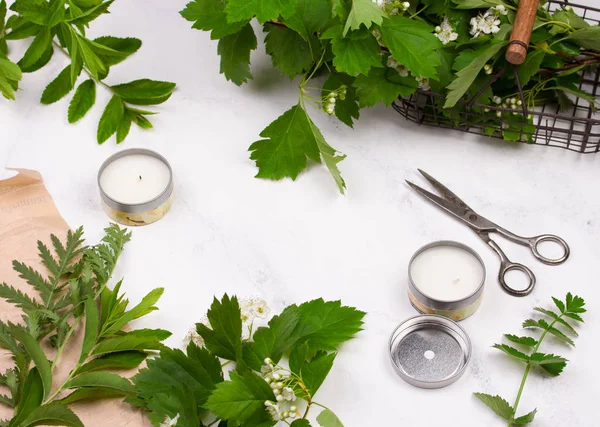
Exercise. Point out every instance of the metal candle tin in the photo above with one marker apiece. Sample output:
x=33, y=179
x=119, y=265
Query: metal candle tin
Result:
x=455, y=310
x=429, y=351
x=137, y=214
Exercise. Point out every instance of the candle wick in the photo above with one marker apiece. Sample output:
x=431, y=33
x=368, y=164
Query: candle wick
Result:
x=140, y=176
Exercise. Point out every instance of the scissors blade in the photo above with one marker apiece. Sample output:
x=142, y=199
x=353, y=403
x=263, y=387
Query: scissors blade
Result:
x=448, y=206
x=444, y=191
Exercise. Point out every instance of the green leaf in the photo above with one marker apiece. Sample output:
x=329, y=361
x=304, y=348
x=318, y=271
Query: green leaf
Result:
x=93, y=63
x=293, y=137
x=92, y=394
x=144, y=91
x=264, y=10
x=124, y=127
x=575, y=304
x=550, y=363
x=52, y=414
x=57, y=13
x=301, y=423
x=557, y=318
x=23, y=29
x=18, y=298
x=525, y=419
x=325, y=325
x=530, y=67
x=111, y=117
x=309, y=17
x=125, y=46
x=83, y=100
x=511, y=351
x=36, y=354
x=413, y=44
x=234, y=50
x=103, y=380
x=273, y=341
x=112, y=361
x=209, y=15
x=34, y=11
x=36, y=50
x=346, y=109
x=225, y=337
x=500, y=406
x=90, y=14
x=31, y=397
x=147, y=305
x=58, y=88
x=241, y=399
x=313, y=373
x=139, y=339
x=363, y=12
x=542, y=324
x=466, y=76
x=92, y=320
x=289, y=51
x=475, y=4
x=298, y=357
x=588, y=38
x=33, y=278
x=526, y=341
x=559, y=304
x=383, y=85
x=353, y=55
x=328, y=419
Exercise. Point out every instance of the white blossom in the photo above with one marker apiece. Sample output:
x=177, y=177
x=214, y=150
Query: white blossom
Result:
x=401, y=69
x=288, y=394
x=193, y=336
x=446, y=33
x=170, y=422
x=405, y=5
x=380, y=3
x=272, y=410
x=496, y=100
x=501, y=9
x=251, y=308
x=487, y=69
x=488, y=23
x=423, y=82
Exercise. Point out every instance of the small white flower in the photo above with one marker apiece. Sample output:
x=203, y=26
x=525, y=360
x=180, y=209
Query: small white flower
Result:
x=500, y=9
x=499, y=113
x=530, y=116
x=268, y=361
x=487, y=69
x=192, y=336
x=438, y=29
x=170, y=422
x=497, y=100
x=446, y=33
x=293, y=408
x=267, y=370
x=405, y=5
x=392, y=63
x=423, y=82
x=288, y=394
x=273, y=411
x=486, y=110
x=279, y=398
x=519, y=102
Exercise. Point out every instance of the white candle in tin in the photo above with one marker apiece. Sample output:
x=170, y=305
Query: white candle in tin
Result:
x=446, y=273
x=135, y=178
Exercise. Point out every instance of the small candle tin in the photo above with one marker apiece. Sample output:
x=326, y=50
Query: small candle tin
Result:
x=137, y=214
x=457, y=309
x=429, y=351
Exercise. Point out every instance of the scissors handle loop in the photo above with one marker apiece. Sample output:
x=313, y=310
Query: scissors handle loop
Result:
x=507, y=266
x=534, y=242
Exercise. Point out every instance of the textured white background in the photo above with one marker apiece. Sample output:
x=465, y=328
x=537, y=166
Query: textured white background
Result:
x=293, y=241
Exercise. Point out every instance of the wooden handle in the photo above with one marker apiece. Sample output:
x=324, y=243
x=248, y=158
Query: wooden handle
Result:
x=521, y=32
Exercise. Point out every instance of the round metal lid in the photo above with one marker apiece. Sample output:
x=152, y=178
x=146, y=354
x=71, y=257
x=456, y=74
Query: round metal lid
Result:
x=430, y=351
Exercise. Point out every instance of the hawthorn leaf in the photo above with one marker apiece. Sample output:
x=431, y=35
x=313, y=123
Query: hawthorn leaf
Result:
x=383, y=85
x=497, y=404
x=234, y=50
x=289, y=51
x=209, y=15
x=363, y=12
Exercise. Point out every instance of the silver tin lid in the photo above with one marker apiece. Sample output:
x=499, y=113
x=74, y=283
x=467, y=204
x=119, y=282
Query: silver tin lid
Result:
x=430, y=351
x=134, y=208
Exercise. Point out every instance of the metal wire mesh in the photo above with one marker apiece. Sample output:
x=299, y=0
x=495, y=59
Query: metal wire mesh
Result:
x=574, y=129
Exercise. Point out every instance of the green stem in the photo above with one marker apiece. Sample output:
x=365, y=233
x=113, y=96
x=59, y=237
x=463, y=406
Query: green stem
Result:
x=100, y=82
x=62, y=346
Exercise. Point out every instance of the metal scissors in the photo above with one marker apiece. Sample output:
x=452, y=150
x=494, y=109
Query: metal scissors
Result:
x=453, y=205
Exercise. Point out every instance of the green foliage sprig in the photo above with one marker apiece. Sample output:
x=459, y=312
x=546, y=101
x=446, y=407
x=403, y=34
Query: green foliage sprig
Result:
x=554, y=323
x=61, y=25
x=274, y=374
x=73, y=296
x=370, y=52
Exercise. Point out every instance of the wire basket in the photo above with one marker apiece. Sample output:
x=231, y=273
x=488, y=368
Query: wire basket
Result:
x=574, y=129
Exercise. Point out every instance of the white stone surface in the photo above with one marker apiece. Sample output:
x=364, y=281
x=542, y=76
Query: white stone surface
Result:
x=293, y=241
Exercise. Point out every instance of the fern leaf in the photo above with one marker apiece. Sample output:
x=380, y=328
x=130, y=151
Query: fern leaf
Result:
x=48, y=260
x=18, y=298
x=35, y=279
x=6, y=400
x=6, y=339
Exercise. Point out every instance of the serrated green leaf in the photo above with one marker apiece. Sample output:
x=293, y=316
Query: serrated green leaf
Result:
x=57, y=12
x=346, y=109
x=31, y=396
x=526, y=341
x=36, y=50
x=314, y=372
x=209, y=15
x=363, y=12
x=531, y=66
x=139, y=339
x=35, y=352
x=18, y=298
x=90, y=59
x=467, y=75
x=588, y=38
x=33, y=278
x=575, y=304
x=511, y=351
x=412, y=44
x=225, y=337
x=124, y=128
x=120, y=360
x=144, y=91
x=574, y=316
x=557, y=318
x=58, y=88
x=241, y=399
x=328, y=419
x=309, y=17
x=559, y=304
x=497, y=404
x=101, y=379
x=298, y=357
x=92, y=394
x=289, y=51
x=52, y=414
x=292, y=138
x=383, y=85
x=92, y=320
x=110, y=119
x=147, y=305
x=353, y=55
x=91, y=13
x=234, y=51
x=475, y=4
x=125, y=46
x=525, y=419
x=36, y=12
x=550, y=363
x=264, y=10
x=83, y=100
x=301, y=423
x=542, y=324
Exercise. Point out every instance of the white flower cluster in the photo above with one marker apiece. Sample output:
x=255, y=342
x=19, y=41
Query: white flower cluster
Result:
x=170, y=422
x=445, y=32
x=329, y=101
x=194, y=337
x=283, y=408
x=403, y=71
x=488, y=23
x=392, y=7
x=253, y=308
x=487, y=69
x=423, y=82
x=512, y=103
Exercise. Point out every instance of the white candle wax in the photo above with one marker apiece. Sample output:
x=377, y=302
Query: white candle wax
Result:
x=446, y=273
x=135, y=178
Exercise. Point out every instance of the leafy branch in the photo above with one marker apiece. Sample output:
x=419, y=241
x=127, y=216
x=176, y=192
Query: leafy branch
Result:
x=61, y=25
x=553, y=323
x=73, y=293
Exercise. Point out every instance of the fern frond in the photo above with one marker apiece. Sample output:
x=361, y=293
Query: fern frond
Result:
x=48, y=260
x=4, y=399
x=18, y=298
x=35, y=279
x=6, y=339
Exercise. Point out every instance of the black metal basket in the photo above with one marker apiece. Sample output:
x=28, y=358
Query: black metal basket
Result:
x=574, y=129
